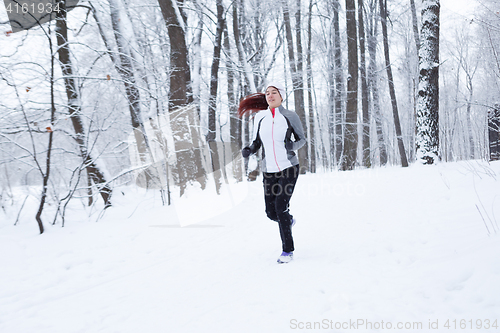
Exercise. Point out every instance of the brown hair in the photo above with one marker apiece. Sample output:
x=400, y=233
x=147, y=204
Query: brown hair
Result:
x=252, y=104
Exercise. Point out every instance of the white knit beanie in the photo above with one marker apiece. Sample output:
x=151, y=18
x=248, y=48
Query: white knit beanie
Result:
x=278, y=86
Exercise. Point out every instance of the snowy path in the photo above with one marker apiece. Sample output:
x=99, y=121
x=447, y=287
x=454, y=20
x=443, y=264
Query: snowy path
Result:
x=393, y=245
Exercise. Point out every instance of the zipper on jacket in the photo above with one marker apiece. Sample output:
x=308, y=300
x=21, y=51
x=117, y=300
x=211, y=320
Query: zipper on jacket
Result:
x=274, y=147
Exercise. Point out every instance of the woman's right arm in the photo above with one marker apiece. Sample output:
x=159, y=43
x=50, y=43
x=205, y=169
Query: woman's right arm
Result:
x=257, y=143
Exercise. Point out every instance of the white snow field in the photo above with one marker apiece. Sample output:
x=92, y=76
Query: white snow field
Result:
x=388, y=249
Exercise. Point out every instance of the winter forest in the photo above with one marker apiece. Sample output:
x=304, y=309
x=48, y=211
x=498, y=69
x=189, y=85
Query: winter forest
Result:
x=121, y=92
x=126, y=204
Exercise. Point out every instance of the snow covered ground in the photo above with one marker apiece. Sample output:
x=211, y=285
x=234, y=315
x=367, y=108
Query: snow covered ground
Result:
x=383, y=249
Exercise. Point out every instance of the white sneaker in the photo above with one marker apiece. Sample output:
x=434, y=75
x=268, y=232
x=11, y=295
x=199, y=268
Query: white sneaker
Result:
x=285, y=257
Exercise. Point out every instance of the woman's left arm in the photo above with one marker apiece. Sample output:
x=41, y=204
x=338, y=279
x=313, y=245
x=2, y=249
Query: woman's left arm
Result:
x=297, y=130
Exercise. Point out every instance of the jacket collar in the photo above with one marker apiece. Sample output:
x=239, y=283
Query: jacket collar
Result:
x=279, y=108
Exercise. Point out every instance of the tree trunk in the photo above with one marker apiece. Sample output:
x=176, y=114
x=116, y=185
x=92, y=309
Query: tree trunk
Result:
x=339, y=87
x=247, y=70
x=246, y=75
x=74, y=108
x=469, y=67
x=427, y=141
x=351, y=126
x=416, y=35
x=212, y=105
x=197, y=60
x=312, y=135
x=234, y=120
x=184, y=120
x=392, y=90
x=180, y=76
x=124, y=66
x=332, y=94
x=46, y=175
x=472, y=153
x=296, y=69
x=246, y=129
x=303, y=153
x=494, y=132
x=373, y=80
x=364, y=88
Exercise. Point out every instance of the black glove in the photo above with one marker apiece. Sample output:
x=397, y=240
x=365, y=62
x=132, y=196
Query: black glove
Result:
x=246, y=152
x=289, y=145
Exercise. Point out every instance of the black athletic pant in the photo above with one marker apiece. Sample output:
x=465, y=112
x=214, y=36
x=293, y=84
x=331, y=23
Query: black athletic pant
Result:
x=278, y=189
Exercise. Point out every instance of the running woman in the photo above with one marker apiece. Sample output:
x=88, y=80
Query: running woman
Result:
x=273, y=130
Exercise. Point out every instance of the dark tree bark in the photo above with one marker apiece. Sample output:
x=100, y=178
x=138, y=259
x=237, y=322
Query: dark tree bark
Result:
x=365, y=99
x=234, y=120
x=246, y=82
x=470, y=88
x=351, y=126
x=212, y=106
x=246, y=130
x=46, y=175
x=337, y=139
x=312, y=136
x=238, y=27
x=494, y=132
x=392, y=90
x=124, y=65
x=296, y=69
x=331, y=155
x=180, y=77
x=258, y=45
x=184, y=118
x=303, y=153
x=427, y=141
x=125, y=68
x=416, y=35
x=74, y=108
x=373, y=79
x=197, y=59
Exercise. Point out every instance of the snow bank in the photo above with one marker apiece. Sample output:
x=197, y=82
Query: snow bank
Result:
x=374, y=248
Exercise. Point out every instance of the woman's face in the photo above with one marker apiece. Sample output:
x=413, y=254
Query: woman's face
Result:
x=273, y=97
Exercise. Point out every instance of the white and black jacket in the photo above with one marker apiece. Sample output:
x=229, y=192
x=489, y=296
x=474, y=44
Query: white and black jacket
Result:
x=272, y=133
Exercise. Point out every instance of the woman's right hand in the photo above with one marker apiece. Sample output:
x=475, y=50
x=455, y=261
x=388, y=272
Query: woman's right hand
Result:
x=245, y=152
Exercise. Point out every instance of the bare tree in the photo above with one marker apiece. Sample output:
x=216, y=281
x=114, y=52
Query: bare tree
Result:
x=74, y=107
x=494, y=132
x=372, y=31
x=427, y=138
x=392, y=90
x=234, y=121
x=416, y=34
x=351, y=126
x=364, y=87
x=337, y=124
x=212, y=105
x=296, y=69
x=238, y=28
x=312, y=134
x=183, y=117
x=469, y=63
x=302, y=153
x=124, y=65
